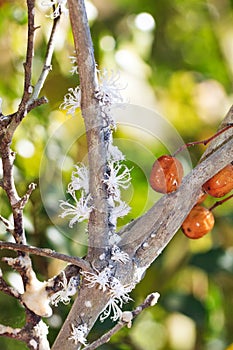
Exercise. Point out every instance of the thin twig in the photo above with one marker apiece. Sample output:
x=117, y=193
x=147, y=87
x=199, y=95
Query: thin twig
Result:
x=216, y=204
x=9, y=186
x=23, y=201
x=36, y=103
x=29, y=57
x=47, y=253
x=47, y=64
x=149, y=301
x=9, y=331
x=202, y=142
x=7, y=223
x=7, y=289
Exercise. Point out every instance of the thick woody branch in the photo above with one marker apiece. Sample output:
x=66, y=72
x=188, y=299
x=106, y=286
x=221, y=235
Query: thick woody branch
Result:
x=98, y=224
x=145, y=238
x=156, y=227
x=81, y=313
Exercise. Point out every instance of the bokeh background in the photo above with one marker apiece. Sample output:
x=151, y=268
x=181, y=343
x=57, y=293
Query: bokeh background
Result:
x=174, y=57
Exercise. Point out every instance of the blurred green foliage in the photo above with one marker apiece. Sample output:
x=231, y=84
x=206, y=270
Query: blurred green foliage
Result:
x=178, y=60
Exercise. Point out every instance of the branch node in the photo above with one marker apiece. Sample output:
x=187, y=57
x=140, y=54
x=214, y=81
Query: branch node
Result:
x=23, y=201
x=7, y=224
x=7, y=289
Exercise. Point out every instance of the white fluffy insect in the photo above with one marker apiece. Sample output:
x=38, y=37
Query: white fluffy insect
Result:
x=68, y=289
x=78, y=334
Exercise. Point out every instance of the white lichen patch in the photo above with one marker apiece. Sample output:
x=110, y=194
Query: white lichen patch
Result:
x=33, y=343
x=41, y=331
x=114, y=238
x=36, y=297
x=10, y=330
x=102, y=256
x=23, y=262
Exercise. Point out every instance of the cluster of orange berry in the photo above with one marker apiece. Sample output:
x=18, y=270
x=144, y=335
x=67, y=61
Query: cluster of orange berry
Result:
x=166, y=176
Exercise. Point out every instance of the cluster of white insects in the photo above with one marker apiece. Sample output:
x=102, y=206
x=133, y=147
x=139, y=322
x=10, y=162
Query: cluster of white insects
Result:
x=79, y=206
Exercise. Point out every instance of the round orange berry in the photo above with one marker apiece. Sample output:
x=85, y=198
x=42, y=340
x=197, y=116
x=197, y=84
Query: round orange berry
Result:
x=198, y=223
x=166, y=174
x=221, y=183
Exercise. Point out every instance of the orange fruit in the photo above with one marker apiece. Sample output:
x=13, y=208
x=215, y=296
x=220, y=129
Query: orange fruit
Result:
x=198, y=223
x=221, y=183
x=166, y=174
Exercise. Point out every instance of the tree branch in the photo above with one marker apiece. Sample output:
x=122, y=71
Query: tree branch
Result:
x=145, y=238
x=7, y=289
x=84, y=265
x=23, y=200
x=126, y=320
x=9, y=332
x=31, y=332
x=81, y=312
x=47, y=64
x=98, y=227
x=9, y=186
x=8, y=224
x=29, y=57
